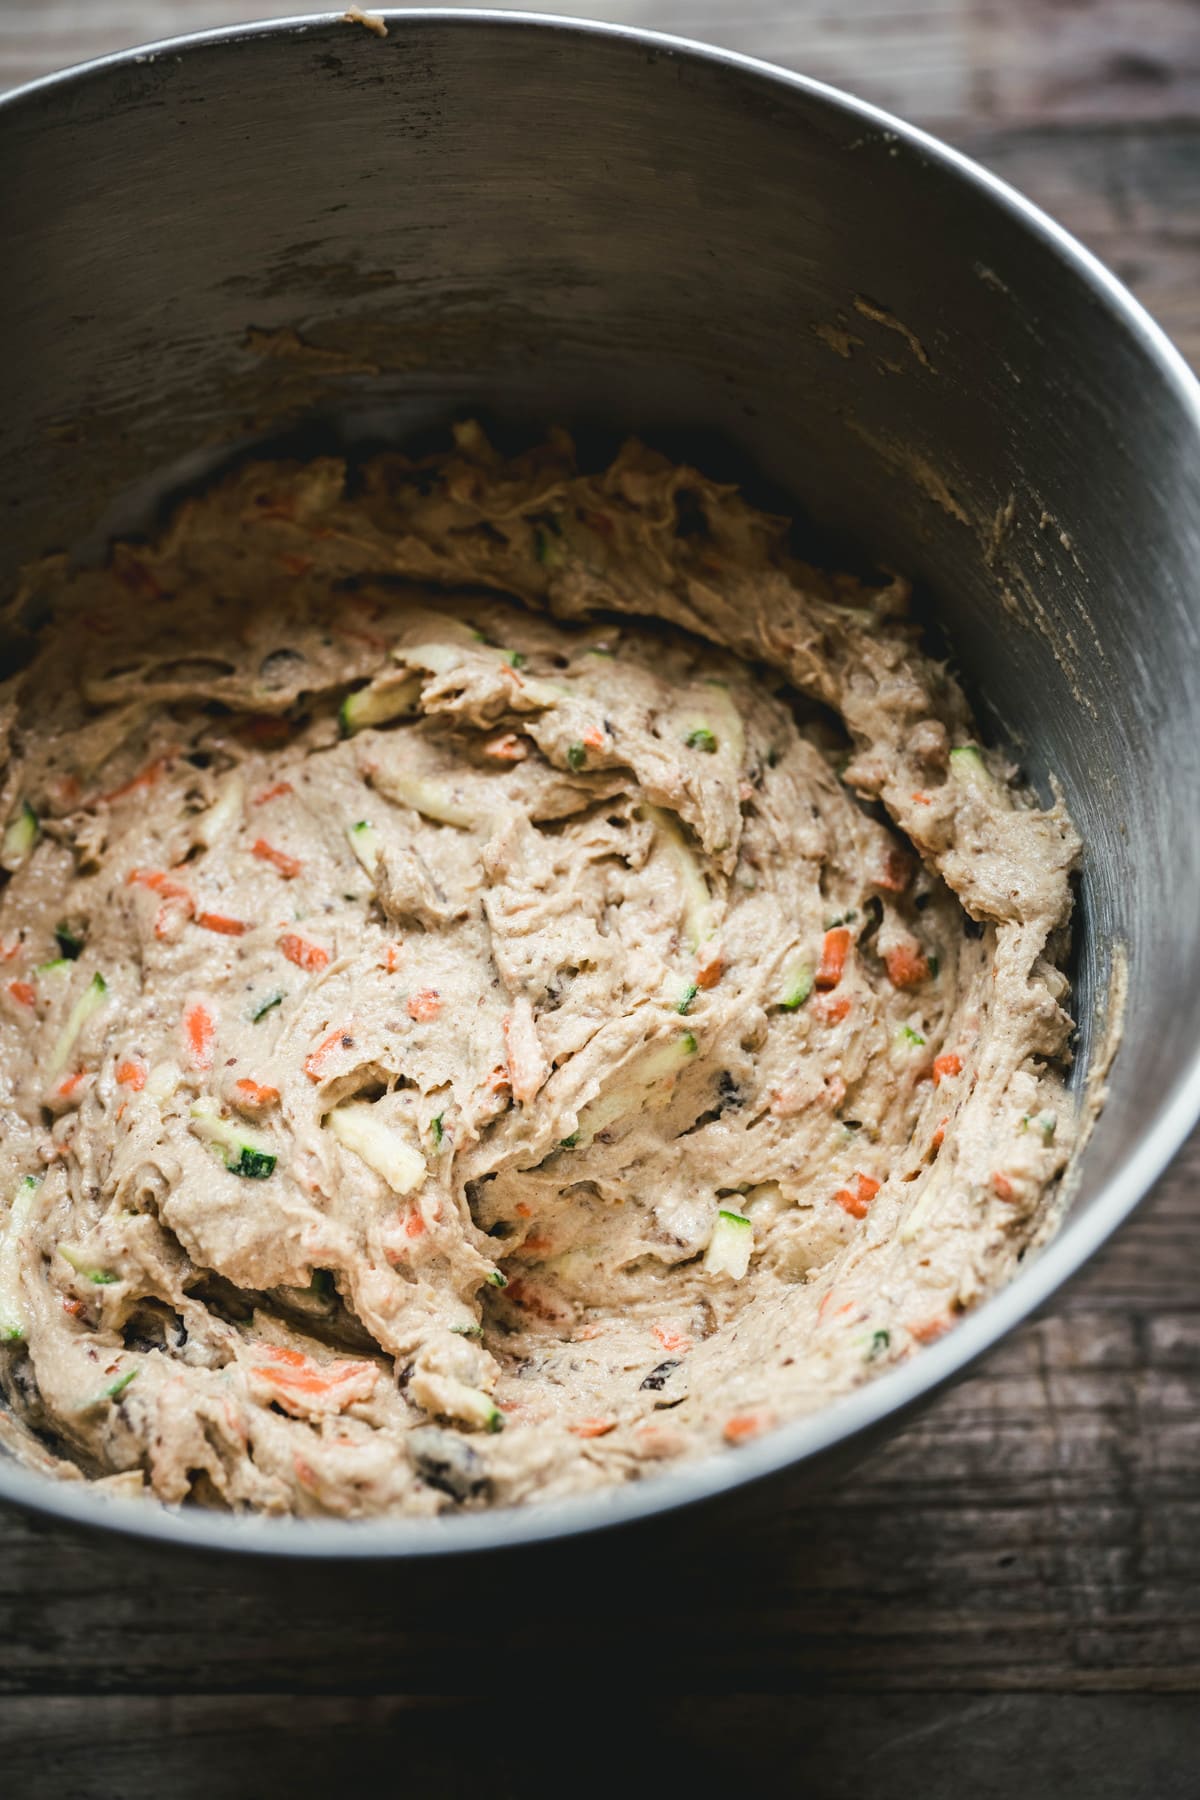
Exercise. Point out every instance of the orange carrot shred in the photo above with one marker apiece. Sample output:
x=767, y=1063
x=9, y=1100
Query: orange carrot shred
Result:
x=23, y=992
x=274, y=793
x=593, y=738
x=211, y=921
x=928, y=1329
x=314, y=1061
x=199, y=1029
x=907, y=965
x=260, y=1093
x=289, y=866
x=414, y=1225
x=897, y=871
x=425, y=1004
x=670, y=1339
x=948, y=1063
x=833, y=957
x=1003, y=1187
x=593, y=1428
x=309, y=957
x=147, y=777
x=744, y=1426
x=858, y=1202
x=508, y=747
x=132, y=1074
x=832, y=1009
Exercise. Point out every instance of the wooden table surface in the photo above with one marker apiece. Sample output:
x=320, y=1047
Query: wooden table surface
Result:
x=1006, y=1601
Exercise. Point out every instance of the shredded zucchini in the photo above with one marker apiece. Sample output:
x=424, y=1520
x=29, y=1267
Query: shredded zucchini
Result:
x=380, y=704
x=90, y=1001
x=365, y=843
x=630, y=1094
x=240, y=1151
x=20, y=835
x=357, y=1127
x=13, y=1324
x=730, y=1245
x=698, y=924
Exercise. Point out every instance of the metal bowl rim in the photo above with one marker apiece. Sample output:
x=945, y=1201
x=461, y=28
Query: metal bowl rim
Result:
x=869, y=1407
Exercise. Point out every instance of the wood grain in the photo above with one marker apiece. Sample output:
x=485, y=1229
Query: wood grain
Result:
x=1007, y=1598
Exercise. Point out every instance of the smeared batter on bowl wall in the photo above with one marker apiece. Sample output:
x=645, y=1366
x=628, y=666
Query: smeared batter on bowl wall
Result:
x=509, y=979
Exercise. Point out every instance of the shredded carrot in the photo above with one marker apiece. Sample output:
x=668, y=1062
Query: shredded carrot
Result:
x=274, y=793
x=1003, y=1187
x=313, y=1063
x=211, y=921
x=593, y=1428
x=294, y=1378
x=8, y=951
x=390, y=960
x=948, y=1063
x=146, y=779
x=858, y=1203
x=922, y=800
x=425, y=1004
x=928, y=1329
x=593, y=738
x=414, y=1224
x=132, y=1074
x=23, y=992
x=73, y=1304
x=199, y=1028
x=744, y=1426
x=524, y=1209
x=508, y=747
x=289, y=866
x=831, y=1009
x=70, y=1084
x=257, y=1092
x=178, y=905
x=158, y=881
x=670, y=1339
x=833, y=957
x=65, y=789
x=939, y=1136
x=306, y=956
x=136, y=576
x=907, y=965
x=267, y=729
x=897, y=871
x=710, y=966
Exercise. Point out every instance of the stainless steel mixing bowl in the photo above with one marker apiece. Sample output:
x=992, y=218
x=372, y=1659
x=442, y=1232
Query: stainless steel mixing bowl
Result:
x=308, y=226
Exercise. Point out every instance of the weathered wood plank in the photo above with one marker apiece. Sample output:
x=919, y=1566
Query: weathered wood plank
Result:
x=1001, y=1748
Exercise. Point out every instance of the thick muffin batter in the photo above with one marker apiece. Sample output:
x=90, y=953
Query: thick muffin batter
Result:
x=509, y=979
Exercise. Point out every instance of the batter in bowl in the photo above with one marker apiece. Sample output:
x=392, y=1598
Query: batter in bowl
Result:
x=509, y=980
